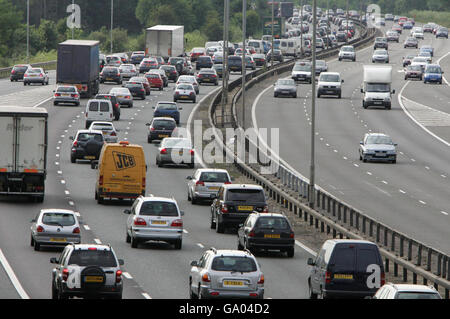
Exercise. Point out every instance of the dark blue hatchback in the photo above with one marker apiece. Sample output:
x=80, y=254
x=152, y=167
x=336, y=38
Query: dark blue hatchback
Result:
x=167, y=109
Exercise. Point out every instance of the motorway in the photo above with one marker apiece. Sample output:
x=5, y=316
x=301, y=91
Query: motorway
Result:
x=411, y=196
x=154, y=270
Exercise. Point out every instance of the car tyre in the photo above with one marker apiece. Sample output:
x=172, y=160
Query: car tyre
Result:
x=213, y=224
x=290, y=252
x=178, y=244
x=37, y=246
x=134, y=242
x=54, y=291
x=31, y=241
x=55, y=103
x=127, y=238
x=219, y=227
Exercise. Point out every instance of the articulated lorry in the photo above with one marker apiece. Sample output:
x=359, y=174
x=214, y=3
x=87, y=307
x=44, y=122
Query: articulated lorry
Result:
x=23, y=158
x=78, y=65
x=165, y=40
x=377, y=86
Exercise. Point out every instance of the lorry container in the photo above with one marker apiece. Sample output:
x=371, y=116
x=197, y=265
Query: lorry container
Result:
x=23, y=159
x=78, y=65
x=377, y=86
x=165, y=40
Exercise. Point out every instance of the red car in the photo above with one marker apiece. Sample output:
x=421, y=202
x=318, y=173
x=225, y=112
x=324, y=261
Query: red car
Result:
x=196, y=52
x=155, y=80
x=402, y=20
x=397, y=28
x=144, y=82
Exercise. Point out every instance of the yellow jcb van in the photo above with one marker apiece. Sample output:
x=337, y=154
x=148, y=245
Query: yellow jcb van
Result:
x=121, y=172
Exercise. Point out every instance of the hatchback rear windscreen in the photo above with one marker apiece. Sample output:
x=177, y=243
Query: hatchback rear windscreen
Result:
x=233, y=263
x=254, y=195
x=272, y=223
x=155, y=208
x=101, y=258
x=213, y=177
x=58, y=219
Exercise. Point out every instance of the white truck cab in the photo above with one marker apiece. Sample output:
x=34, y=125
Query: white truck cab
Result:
x=377, y=86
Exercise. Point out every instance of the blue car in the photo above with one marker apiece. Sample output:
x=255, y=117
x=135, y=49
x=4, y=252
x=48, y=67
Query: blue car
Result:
x=167, y=109
x=427, y=48
x=433, y=73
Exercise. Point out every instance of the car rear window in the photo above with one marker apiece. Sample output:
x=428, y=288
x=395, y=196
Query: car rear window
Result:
x=58, y=219
x=101, y=258
x=417, y=295
x=170, y=106
x=104, y=107
x=214, y=177
x=344, y=259
x=161, y=124
x=184, y=87
x=177, y=143
x=83, y=137
x=102, y=127
x=93, y=106
x=66, y=89
x=366, y=256
x=233, y=263
x=254, y=195
x=20, y=68
x=134, y=85
x=272, y=223
x=155, y=208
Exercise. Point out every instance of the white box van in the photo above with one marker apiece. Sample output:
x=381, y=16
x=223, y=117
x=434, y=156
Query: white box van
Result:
x=98, y=110
x=290, y=47
x=257, y=44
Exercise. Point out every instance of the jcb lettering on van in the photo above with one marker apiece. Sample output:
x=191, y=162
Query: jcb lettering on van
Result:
x=123, y=161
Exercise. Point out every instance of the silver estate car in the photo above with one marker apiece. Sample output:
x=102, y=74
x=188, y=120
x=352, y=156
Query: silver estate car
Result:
x=175, y=150
x=35, y=75
x=156, y=219
x=226, y=274
x=108, y=130
x=128, y=71
x=377, y=147
x=380, y=56
x=205, y=183
x=66, y=94
x=54, y=227
x=123, y=95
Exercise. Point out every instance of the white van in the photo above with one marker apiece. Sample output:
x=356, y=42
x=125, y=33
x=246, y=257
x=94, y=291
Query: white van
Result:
x=290, y=46
x=257, y=44
x=98, y=110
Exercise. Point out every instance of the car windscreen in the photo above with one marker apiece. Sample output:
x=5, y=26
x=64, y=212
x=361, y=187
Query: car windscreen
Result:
x=242, y=195
x=306, y=67
x=378, y=87
x=177, y=143
x=329, y=78
x=433, y=69
x=214, y=177
x=379, y=140
x=156, y=208
x=278, y=223
x=66, y=89
x=286, y=82
x=416, y=295
x=233, y=264
x=101, y=258
x=168, y=106
x=20, y=68
x=164, y=125
x=58, y=219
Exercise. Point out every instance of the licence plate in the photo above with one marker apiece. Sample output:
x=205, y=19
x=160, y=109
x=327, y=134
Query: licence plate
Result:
x=206, y=79
x=159, y=222
x=120, y=96
x=184, y=97
x=285, y=92
x=213, y=188
x=343, y=276
x=376, y=102
x=89, y=157
x=330, y=91
x=58, y=240
x=93, y=279
x=245, y=207
x=109, y=79
x=232, y=283
x=180, y=152
x=271, y=235
x=65, y=94
x=163, y=135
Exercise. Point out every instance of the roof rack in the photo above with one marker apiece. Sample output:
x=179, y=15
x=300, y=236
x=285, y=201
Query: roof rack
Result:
x=213, y=249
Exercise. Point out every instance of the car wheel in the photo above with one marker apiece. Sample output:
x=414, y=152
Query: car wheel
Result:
x=73, y=159
x=178, y=244
x=54, y=291
x=295, y=96
x=318, y=95
x=161, y=88
x=213, y=223
x=339, y=96
x=134, y=242
x=37, y=246
x=194, y=101
x=191, y=293
x=32, y=241
x=290, y=252
x=219, y=227
x=149, y=140
x=127, y=238
x=159, y=164
x=55, y=103
x=239, y=246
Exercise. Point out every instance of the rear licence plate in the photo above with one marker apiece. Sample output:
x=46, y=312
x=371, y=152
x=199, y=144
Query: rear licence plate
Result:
x=245, y=207
x=89, y=157
x=213, y=188
x=163, y=135
x=271, y=235
x=232, y=283
x=180, y=152
x=159, y=222
x=343, y=276
x=109, y=79
x=93, y=279
x=65, y=95
x=184, y=97
x=58, y=240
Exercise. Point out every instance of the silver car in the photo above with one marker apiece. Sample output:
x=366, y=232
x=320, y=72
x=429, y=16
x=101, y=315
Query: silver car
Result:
x=377, y=147
x=226, y=274
x=123, y=96
x=205, y=183
x=128, y=70
x=380, y=56
x=175, y=150
x=190, y=79
x=156, y=219
x=108, y=130
x=55, y=227
x=35, y=75
x=66, y=94
x=347, y=52
x=285, y=87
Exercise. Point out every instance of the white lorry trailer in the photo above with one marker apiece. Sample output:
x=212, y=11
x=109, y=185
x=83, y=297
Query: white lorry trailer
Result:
x=377, y=86
x=23, y=159
x=165, y=40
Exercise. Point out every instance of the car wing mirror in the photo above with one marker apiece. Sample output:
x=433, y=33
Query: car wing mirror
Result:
x=194, y=263
x=127, y=211
x=393, y=91
x=342, y=81
x=311, y=262
x=54, y=260
x=362, y=91
x=361, y=143
x=189, y=177
x=71, y=138
x=121, y=262
x=182, y=213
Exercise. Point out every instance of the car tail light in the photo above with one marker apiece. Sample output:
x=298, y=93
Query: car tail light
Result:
x=192, y=93
x=75, y=143
x=57, y=94
x=65, y=274
x=327, y=277
x=177, y=92
x=291, y=235
x=142, y=90
x=261, y=280
x=163, y=151
x=224, y=208
x=191, y=152
x=41, y=74
x=251, y=234
x=200, y=183
x=74, y=95
x=13, y=72
x=40, y=229
x=100, y=180
x=143, y=182
x=25, y=75
x=206, y=278
x=118, y=276
x=214, y=76
x=266, y=209
x=177, y=223
x=214, y=293
x=76, y=230
x=140, y=222
x=227, y=183
x=383, y=279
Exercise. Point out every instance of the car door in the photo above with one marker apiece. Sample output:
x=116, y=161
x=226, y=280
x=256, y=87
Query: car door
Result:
x=196, y=272
x=316, y=271
x=217, y=203
x=130, y=219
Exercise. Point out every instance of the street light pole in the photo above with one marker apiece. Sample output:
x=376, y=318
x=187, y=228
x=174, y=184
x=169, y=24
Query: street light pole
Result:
x=313, y=110
x=73, y=16
x=244, y=31
x=271, y=50
x=301, y=29
x=112, y=15
x=347, y=23
x=225, y=60
x=28, y=31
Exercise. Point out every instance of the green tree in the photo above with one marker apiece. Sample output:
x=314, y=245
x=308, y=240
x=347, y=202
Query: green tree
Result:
x=48, y=35
x=212, y=29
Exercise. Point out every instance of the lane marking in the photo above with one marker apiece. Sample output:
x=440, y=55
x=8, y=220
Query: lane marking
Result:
x=98, y=241
x=146, y=295
x=306, y=248
x=86, y=227
x=12, y=276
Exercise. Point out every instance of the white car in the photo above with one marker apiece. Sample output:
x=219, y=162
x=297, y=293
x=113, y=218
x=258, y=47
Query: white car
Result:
x=190, y=79
x=128, y=70
x=406, y=291
x=206, y=182
x=422, y=61
x=302, y=71
x=418, y=35
x=377, y=147
x=108, y=130
x=329, y=84
x=347, y=52
x=427, y=55
x=184, y=91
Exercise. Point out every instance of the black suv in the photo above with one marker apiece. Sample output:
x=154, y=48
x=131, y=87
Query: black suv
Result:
x=180, y=64
x=267, y=231
x=203, y=62
x=136, y=89
x=86, y=145
x=346, y=268
x=137, y=57
x=18, y=71
x=110, y=74
x=235, y=63
x=87, y=270
x=381, y=43
x=114, y=102
x=234, y=203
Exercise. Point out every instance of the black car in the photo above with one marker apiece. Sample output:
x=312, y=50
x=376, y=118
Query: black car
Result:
x=114, y=102
x=110, y=74
x=171, y=72
x=234, y=203
x=267, y=231
x=346, y=268
x=234, y=63
x=207, y=76
x=136, y=89
x=341, y=37
x=442, y=33
x=137, y=57
x=159, y=128
x=18, y=71
x=86, y=145
x=180, y=64
x=277, y=56
x=204, y=62
x=380, y=43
